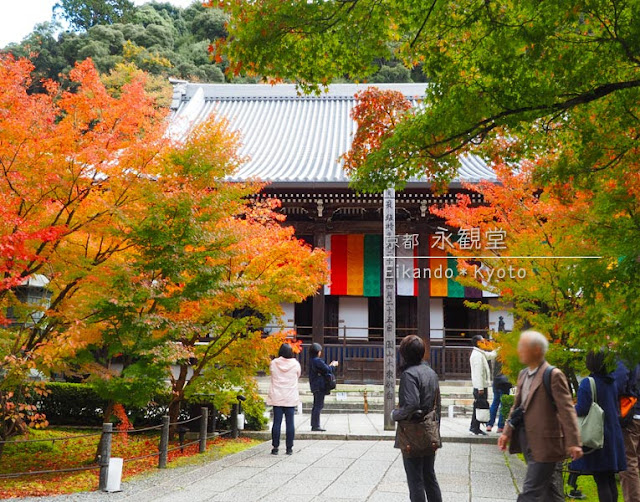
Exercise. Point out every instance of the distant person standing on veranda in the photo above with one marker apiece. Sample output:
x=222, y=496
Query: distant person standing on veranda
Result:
x=480, y=378
x=543, y=427
x=419, y=388
x=284, y=395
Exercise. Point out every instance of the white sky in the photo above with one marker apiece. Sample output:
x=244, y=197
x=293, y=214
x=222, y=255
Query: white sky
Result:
x=18, y=17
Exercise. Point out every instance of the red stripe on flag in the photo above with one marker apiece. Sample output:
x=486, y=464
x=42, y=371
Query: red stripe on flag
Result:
x=338, y=264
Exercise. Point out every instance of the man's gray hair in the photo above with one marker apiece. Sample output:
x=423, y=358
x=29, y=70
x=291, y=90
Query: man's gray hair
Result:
x=535, y=338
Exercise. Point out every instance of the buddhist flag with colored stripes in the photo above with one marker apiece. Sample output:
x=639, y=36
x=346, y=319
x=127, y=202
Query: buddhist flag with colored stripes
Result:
x=356, y=264
x=444, y=271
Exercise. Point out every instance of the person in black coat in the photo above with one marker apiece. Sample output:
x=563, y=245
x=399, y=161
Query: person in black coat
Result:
x=602, y=464
x=419, y=390
x=628, y=382
x=318, y=371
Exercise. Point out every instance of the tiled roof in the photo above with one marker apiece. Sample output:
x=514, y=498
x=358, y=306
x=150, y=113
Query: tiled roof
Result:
x=289, y=138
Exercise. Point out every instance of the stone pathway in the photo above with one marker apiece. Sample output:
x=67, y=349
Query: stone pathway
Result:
x=331, y=471
x=360, y=426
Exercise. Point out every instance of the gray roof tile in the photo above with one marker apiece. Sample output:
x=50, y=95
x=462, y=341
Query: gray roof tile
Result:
x=289, y=138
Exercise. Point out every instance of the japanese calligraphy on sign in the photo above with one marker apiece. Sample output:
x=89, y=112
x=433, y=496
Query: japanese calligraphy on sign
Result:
x=391, y=242
x=470, y=238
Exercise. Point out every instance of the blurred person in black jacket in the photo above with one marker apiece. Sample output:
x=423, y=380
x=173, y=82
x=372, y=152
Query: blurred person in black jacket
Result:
x=419, y=389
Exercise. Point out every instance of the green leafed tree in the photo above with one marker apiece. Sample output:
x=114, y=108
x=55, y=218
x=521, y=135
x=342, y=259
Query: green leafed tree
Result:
x=84, y=14
x=554, y=84
x=527, y=68
x=159, y=38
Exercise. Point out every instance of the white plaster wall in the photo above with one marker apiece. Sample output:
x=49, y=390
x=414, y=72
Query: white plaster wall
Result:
x=354, y=311
x=286, y=321
x=436, y=316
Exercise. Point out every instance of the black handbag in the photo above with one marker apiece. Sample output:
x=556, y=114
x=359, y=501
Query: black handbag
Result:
x=420, y=437
x=330, y=381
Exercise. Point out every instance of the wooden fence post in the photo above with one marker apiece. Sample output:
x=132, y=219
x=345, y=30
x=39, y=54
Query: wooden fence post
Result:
x=234, y=420
x=105, y=455
x=204, y=422
x=164, y=443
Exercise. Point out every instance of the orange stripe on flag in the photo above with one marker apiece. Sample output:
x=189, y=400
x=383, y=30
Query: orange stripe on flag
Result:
x=355, y=264
x=438, y=266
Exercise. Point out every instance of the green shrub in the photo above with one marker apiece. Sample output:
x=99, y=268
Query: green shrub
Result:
x=80, y=404
x=254, y=414
x=506, y=403
x=71, y=404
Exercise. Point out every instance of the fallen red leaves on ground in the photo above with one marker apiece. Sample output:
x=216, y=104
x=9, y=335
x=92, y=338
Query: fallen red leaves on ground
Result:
x=80, y=452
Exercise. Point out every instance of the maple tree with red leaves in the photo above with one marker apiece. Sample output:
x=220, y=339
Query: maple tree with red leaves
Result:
x=154, y=267
x=208, y=270
x=549, y=289
x=70, y=166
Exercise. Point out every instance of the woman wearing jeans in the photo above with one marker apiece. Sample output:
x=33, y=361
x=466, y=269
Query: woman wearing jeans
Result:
x=501, y=387
x=283, y=395
x=418, y=392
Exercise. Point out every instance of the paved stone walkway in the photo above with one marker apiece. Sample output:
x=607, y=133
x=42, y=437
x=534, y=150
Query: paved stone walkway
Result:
x=360, y=426
x=331, y=471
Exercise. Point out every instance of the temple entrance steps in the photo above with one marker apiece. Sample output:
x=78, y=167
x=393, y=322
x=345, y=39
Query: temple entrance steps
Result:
x=351, y=398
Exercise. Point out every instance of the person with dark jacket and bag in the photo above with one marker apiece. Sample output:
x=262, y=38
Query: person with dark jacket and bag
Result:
x=419, y=394
x=628, y=383
x=542, y=424
x=501, y=387
x=320, y=374
x=605, y=462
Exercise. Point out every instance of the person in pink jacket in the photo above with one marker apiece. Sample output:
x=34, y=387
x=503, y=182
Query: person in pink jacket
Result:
x=283, y=395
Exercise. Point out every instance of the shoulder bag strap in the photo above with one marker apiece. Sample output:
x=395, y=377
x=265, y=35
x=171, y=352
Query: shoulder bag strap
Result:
x=594, y=392
x=546, y=380
x=437, y=407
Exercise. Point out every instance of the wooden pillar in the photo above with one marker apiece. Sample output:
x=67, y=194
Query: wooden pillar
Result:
x=317, y=319
x=424, y=297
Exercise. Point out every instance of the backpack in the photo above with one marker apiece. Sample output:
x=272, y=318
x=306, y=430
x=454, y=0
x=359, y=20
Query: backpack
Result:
x=546, y=380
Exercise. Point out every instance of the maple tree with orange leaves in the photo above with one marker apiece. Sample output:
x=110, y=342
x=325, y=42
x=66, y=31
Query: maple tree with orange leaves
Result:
x=208, y=270
x=546, y=290
x=152, y=267
x=70, y=170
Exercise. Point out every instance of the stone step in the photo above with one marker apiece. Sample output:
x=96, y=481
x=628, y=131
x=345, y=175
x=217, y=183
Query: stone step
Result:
x=446, y=400
x=459, y=408
x=444, y=391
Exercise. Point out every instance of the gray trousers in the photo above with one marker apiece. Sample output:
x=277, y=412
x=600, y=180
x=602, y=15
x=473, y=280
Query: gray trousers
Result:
x=543, y=482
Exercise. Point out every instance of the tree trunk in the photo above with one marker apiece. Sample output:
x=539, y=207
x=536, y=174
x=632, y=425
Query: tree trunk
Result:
x=106, y=415
x=11, y=427
x=177, y=396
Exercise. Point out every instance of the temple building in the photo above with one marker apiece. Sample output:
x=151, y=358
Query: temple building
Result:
x=294, y=143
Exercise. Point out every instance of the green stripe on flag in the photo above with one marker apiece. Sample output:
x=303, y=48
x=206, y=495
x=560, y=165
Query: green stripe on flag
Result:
x=454, y=288
x=372, y=265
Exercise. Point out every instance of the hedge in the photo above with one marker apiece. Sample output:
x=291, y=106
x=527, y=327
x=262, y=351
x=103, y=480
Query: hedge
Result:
x=506, y=402
x=71, y=404
x=78, y=404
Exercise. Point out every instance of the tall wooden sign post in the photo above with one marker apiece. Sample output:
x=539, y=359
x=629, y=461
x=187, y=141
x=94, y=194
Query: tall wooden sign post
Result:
x=389, y=305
